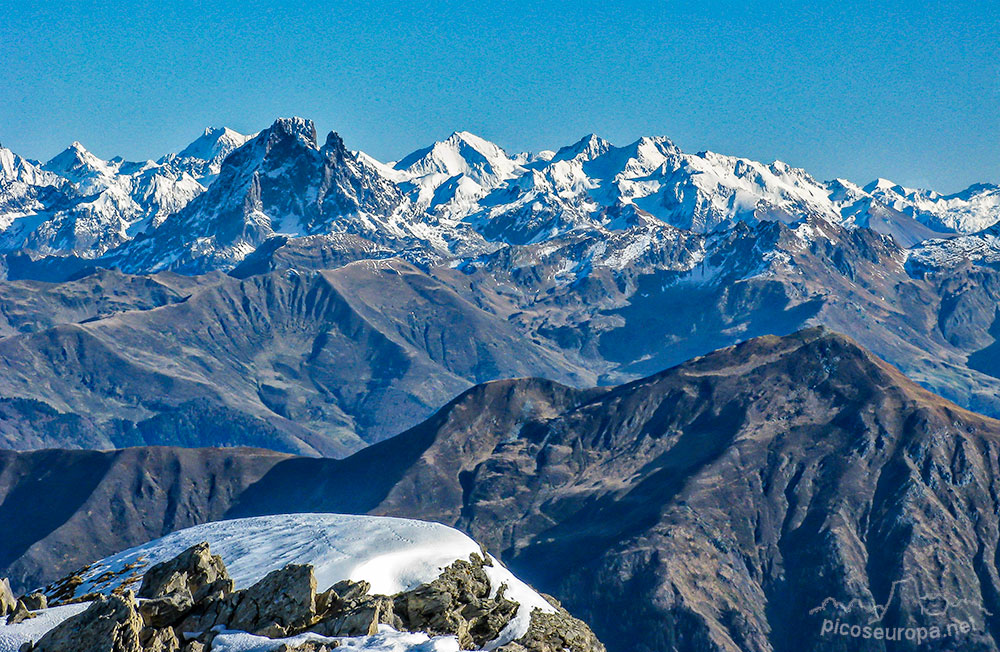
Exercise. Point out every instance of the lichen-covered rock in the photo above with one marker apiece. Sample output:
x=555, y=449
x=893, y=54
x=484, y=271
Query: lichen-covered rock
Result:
x=457, y=602
x=35, y=601
x=7, y=599
x=555, y=632
x=19, y=614
x=215, y=610
x=342, y=594
x=203, y=573
x=109, y=624
x=167, y=609
x=283, y=602
x=159, y=640
x=358, y=617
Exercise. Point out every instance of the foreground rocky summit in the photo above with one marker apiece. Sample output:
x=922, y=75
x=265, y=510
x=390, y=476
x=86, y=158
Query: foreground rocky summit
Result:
x=190, y=603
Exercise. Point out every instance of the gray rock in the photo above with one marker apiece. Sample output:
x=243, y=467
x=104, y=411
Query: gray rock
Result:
x=216, y=610
x=7, y=599
x=358, y=617
x=283, y=602
x=168, y=609
x=457, y=602
x=197, y=569
x=159, y=640
x=555, y=632
x=108, y=625
x=308, y=646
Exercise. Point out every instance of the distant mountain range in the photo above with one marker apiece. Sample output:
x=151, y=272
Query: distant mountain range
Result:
x=202, y=209
x=728, y=504
x=267, y=290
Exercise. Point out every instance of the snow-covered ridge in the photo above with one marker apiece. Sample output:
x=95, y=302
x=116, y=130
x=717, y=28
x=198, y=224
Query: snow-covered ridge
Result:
x=77, y=203
x=459, y=197
x=392, y=554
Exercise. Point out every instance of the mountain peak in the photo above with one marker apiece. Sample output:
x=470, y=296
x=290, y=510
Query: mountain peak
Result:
x=76, y=163
x=587, y=148
x=300, y=129
x=881, y=184
x=213, y=142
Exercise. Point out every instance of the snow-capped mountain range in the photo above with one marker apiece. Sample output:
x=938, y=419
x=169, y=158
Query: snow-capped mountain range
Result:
x=216, y=201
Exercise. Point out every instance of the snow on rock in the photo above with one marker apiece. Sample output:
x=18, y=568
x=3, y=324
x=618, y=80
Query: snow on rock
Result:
x=386, y=640
x=392, y=554
x=450, y=176
x=971, y=210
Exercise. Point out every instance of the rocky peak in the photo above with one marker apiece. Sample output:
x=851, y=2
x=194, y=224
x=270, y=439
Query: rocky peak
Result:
x=299, y=129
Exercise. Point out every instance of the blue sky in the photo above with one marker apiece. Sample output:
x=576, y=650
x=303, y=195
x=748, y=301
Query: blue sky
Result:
x=904, y=90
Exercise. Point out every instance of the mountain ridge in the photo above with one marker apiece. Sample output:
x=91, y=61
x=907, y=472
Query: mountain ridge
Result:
x=508, y=199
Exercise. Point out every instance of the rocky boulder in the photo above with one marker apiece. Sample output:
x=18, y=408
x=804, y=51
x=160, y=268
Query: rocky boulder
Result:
x=283, y=602
x=109, y=624
x=458, y=602
x=19, y=614
x=167, y=609
x=196, y=569
x=159, y=640
x=7, y=600
x=35, y=601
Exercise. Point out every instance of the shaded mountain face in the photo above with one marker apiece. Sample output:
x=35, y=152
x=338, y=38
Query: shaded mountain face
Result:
x=736, y=502
x=320, y=363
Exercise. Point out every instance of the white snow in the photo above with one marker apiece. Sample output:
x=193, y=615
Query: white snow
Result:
x=12, y=637
x=457, y=191
x=386, y=640
x=392, y=554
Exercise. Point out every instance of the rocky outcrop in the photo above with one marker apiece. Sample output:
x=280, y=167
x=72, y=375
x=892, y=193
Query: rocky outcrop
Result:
x=348, y=610
x=109, y=624
x=458, y=602
x=555, y=632
x=283, y=602
x=19, y=614
x=195, y=571
x=7, y=600
x=35, y=601
x=185, y=601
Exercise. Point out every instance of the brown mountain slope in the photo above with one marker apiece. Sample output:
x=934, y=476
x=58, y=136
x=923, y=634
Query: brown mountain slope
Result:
x=736, y=502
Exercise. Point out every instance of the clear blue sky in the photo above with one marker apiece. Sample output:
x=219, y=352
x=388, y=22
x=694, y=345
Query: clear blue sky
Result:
x=908, y=90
